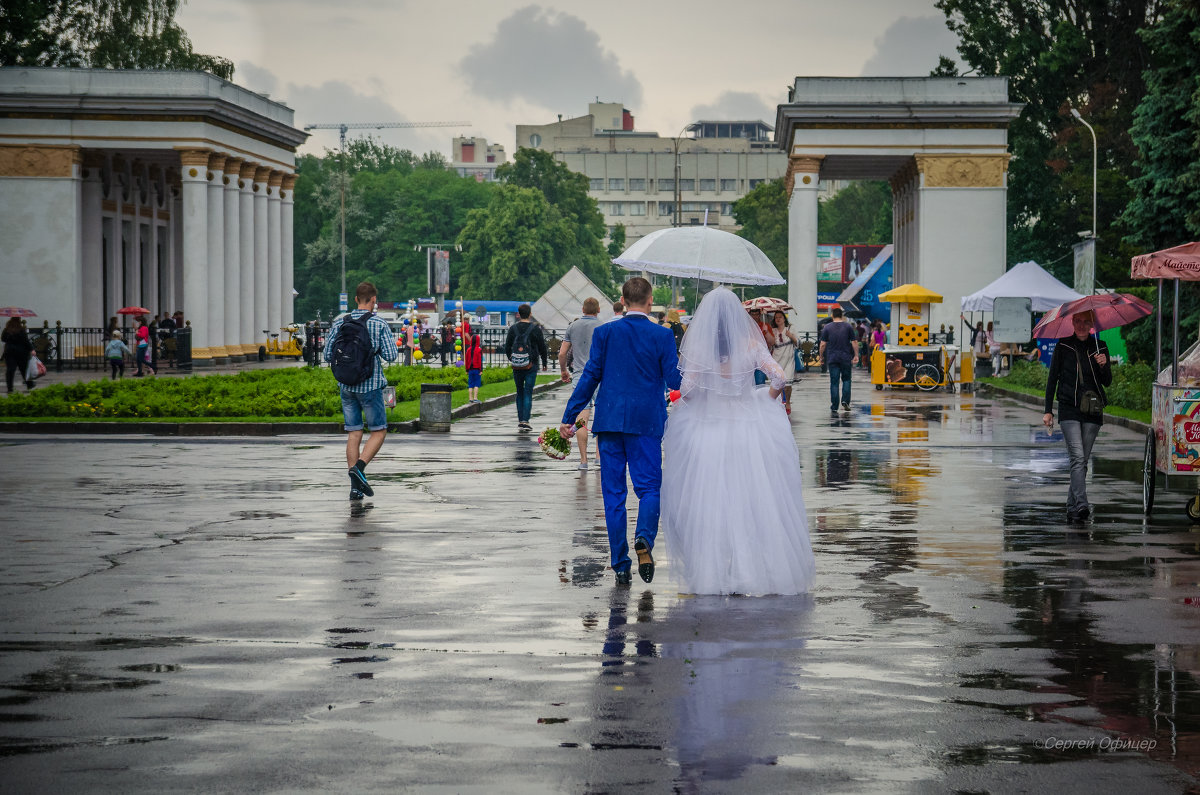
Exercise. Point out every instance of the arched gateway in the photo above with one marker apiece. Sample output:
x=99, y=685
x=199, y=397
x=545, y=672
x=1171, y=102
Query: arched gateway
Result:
x=941, y=142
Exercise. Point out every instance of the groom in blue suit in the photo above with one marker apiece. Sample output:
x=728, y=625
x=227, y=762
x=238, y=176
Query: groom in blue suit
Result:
x=632, y=361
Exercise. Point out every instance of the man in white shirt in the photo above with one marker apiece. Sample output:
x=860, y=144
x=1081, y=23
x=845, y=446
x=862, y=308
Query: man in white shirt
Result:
x=575, y=349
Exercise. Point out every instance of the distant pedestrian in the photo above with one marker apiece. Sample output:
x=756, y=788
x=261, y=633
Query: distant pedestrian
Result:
x=143, y=349
x=576, y=347
x=757, y=316
x=115, y=351
x=473, y=362
x=17, y=350
x=839, y=353
x=618, y=311
x=1079, y=371
x=166, y=332
x=446, y=349
x=112, y=326
x=783, y=348
x=523, y=346
x=362, y=400
x=154, y=343
x=676, y=327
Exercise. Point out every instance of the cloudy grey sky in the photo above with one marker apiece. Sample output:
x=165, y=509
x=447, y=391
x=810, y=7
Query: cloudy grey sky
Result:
x=499, y=63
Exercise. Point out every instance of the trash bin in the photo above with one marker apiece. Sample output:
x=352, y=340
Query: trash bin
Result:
x=435, y=408
x=183, y=348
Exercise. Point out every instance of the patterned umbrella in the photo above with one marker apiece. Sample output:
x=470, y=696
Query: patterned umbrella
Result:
x=767, y=304
x=16, y=311
x=133, y=310
x=1111, y=309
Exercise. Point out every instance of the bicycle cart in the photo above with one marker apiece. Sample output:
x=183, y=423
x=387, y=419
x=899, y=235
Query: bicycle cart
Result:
x=907, y=359
x=1173, y=441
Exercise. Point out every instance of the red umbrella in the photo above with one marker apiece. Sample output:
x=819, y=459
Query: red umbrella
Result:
x=1111, y=310
x=1181, y=262
x=16, y=311
x=133, y=310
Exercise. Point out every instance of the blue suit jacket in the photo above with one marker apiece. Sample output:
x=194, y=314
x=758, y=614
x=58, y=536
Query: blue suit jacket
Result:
x=631, y=361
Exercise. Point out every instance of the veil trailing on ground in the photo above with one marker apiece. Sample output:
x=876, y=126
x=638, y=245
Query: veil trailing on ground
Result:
x=720, y=350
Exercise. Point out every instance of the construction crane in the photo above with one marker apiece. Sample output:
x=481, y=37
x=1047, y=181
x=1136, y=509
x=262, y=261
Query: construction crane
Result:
x=342, y=128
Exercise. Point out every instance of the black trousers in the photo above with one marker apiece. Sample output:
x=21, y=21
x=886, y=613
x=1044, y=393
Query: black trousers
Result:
x=15, y=363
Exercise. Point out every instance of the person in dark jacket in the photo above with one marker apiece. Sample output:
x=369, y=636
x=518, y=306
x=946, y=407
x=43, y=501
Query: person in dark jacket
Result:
x=527, y=335
x=1078, y=366
x=17, y=349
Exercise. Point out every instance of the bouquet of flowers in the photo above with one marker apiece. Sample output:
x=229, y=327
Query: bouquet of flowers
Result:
x=553, y=444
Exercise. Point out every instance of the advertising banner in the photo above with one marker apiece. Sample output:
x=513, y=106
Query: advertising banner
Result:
x=829, y=264
x=441, y=271
x=1085, y=266
x=856, y=259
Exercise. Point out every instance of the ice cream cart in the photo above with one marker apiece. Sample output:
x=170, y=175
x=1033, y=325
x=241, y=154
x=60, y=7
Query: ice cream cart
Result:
x=907, y=359
x=1173, y=441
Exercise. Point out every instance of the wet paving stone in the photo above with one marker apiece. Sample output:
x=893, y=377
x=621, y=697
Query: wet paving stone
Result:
x=961, y=635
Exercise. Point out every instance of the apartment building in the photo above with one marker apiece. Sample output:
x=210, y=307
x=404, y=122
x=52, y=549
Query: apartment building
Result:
x=648, y=182
x=475, y=157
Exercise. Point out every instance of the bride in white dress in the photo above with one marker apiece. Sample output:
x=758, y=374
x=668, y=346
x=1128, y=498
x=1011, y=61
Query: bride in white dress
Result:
x=732, y=509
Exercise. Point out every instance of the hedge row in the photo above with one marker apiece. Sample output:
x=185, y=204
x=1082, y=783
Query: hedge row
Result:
x=1131, y=386
x=290, y=392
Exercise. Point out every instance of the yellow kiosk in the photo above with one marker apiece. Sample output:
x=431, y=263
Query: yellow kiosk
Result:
x=907, y=359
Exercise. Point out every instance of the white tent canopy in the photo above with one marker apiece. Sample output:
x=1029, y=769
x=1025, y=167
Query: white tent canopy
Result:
x=563, y=302
x=1025, y=280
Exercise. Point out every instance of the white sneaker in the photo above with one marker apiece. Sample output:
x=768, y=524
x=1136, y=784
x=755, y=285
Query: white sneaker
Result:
x=583, y=467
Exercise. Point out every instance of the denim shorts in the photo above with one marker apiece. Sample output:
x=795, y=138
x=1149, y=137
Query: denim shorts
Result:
x=474, y=379
x=357, y=405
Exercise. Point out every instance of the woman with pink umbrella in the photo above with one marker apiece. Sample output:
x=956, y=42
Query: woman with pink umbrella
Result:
x=1079, y=371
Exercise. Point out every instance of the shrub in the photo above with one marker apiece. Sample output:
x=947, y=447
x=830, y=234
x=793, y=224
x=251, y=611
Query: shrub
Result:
x=290, y=392
x=1130, y=389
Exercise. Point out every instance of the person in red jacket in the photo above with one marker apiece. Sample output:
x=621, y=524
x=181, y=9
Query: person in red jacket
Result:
x=473, y=361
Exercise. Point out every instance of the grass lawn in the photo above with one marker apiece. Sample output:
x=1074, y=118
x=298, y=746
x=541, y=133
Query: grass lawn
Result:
x=1116, y=411
x=403, y=412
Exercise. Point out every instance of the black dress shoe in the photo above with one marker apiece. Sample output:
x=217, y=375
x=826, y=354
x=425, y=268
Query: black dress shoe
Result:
x=645, y=560
x=624, y=578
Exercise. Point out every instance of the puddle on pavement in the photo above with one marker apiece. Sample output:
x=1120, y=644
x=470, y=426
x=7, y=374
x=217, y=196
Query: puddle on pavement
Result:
x=17, y=747
x=68, y=677
x=152, y=668
x=353, y=660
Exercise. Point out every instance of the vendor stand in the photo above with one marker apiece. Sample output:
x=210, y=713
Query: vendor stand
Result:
x=1173, y=441
x=907, y=359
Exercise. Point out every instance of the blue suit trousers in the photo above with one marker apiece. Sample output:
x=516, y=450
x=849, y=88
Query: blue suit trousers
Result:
x=642, y=454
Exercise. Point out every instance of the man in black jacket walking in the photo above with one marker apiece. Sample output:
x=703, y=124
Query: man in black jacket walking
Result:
x=523, y=346
x=1079, y=371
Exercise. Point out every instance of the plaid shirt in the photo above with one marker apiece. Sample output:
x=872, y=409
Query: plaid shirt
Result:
x=385, y=348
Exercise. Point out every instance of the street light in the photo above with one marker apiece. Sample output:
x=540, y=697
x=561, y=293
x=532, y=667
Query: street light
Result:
x=1095, y=149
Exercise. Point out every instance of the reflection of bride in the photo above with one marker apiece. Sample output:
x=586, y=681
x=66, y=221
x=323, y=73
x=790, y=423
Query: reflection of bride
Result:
x=731, y=502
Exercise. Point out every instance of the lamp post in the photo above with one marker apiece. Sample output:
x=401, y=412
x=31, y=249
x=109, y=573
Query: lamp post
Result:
x=1095, y=155
x=677, y=219
x=429, y=248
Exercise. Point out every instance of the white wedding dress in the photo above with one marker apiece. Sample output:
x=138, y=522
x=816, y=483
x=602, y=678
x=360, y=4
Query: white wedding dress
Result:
x=732, y=510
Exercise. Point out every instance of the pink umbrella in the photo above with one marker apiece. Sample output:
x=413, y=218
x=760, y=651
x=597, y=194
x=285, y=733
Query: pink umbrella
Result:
x=767, y=303
x=16, y=311
x=1111, y=309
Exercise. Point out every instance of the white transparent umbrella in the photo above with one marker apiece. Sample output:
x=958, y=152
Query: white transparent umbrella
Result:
x=700, y=252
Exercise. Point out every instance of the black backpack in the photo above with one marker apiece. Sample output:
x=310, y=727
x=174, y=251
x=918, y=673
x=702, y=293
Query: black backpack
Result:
x=522, y=356
x=353, y=359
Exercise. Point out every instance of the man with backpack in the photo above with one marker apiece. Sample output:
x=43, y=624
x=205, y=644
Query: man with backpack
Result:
x=355, y=345
x=523, y=345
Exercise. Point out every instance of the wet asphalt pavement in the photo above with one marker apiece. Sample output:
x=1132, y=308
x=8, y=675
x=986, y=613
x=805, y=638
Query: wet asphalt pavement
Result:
x=213, y=614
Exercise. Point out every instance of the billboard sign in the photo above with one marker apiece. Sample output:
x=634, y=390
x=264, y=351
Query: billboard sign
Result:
x=856, y=259
x=829, y=263
x=441, y=272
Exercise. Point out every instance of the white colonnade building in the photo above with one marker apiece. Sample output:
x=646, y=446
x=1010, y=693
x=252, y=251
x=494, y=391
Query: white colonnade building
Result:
x=161, y=189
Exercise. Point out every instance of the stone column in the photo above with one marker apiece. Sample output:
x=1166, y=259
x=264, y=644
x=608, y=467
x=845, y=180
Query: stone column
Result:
x=216, y=259
x=274, y=255
x=116, y=241
x=153, y=301
x=92, y=260
x=195, y=250
x=233, y=257
x=959, y=218
x=176, y=295
x=801, y=184
x=287, y=202
x=133, y=290
x=249, y=332
x=261, y=325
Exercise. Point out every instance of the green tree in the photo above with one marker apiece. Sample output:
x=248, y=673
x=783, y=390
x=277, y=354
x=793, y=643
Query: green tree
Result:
x=1060, y=56
x=515, y=248
x=1165, y=206
x=394, y=200
x=123, y=34
x=567, y=191
x=859, y=213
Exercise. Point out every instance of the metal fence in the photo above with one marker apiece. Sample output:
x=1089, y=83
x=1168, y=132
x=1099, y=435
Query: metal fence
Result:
x=82, y=348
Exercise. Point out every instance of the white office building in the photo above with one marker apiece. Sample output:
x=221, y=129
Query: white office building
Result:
x=648, y=182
